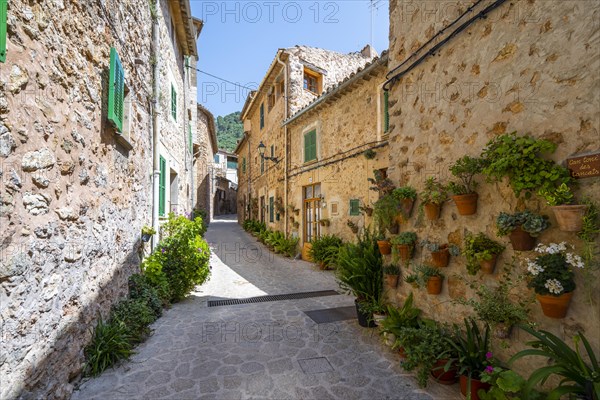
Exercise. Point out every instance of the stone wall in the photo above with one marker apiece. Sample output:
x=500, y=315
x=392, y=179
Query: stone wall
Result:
x=73, y=200
x=204, y=153
x=530, y=67
x=342, y=170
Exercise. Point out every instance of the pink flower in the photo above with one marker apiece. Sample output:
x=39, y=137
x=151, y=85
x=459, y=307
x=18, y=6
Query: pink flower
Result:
x=488, y=355
x=489, y=369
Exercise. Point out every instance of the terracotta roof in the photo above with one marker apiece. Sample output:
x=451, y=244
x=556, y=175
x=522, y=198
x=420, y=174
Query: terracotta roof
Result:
x=341, y=85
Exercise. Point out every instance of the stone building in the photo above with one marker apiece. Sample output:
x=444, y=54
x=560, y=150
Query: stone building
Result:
x=334, y=149
x=527, y=66
x=225, y=183
x=296, y=77
x=79, y=134
x=205, y=148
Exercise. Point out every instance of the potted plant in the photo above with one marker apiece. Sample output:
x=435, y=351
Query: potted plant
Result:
x=405, y=244
x=391, y=273
x=407, y=315
x=367, y=210
x=324, y=250
x=481, y=252
x=433, y=196
x=568, y=215
x=384, y=213
x=376, y=309
x=147, y=233
x=579, y=375
x=522, y=228
x=494, y=306
x=473, y=357
x=405, y=196
x=324, y=222
x=353, y=227
x=440, y=253
x=360, y=272
x=369, y=154
x=385, y=247
x=413, y=279
x=430, y=277
x=465, y=197
x=552, y=278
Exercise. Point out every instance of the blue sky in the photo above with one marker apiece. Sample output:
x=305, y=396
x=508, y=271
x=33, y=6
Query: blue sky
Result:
x=240, y=38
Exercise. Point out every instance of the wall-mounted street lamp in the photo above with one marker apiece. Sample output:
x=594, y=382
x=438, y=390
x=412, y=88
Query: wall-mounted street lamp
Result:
x=261, y=151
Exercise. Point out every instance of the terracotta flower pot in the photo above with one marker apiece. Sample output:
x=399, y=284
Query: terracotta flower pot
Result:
x=405, y=251
x=476, y=384
x=502, y=330
x=391, y=281
x=385, y=247
x=555, y=306
x=466, y=204
x=369, y=211
x=306, y=252
x=488, y=266
x=434, y=285
x=405, y=208
x=402, y=352
x=432, y=211
x=521, y=240
x=440, y=259
x=444, y=377
x=569, y=218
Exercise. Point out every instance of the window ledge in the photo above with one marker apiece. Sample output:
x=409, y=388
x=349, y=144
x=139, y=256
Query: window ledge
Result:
x=311, y=162
x=123, y=141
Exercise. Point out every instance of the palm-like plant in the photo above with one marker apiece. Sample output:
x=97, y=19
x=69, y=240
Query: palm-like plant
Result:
x=579, y=377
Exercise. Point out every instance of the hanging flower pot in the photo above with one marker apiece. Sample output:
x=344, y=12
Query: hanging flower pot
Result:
x=502, y=330
x=521, y=240
x=434, y=285
x=391, y=281
x=441, y=258
x=476, y=384
x=385, y=247
x=555, y=306
x=432, y=211
x=488, y=266
x=466, y=204
x=569, y=218
x=444, y=377
x=405, y=251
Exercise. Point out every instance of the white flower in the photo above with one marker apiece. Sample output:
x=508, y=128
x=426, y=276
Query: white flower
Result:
x=533, y=268
x=540, y=248
x=574, y=260
x=554, y=286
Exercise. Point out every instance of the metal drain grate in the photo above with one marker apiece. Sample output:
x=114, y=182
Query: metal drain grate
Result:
x=275, y=297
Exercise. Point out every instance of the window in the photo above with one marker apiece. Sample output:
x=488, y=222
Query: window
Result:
x=271, y=99
x=312, y=81
x=262, y=165
x=161, y=186
x=262, y=115
x=3, y=7
x=217, y=158
x=272, y=150
x=354, y=207
x=280, y=89
x=386, y=112
x=271, y=209
x=310, y=146
x=116, y=91
x=173, y=102
x=231, y=163
x=244, y=165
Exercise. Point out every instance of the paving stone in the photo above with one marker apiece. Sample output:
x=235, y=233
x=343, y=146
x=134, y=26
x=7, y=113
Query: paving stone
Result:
x=232, y=382
x=280, y=366
x=180, y=385
x=252, y=367
x=209, y=385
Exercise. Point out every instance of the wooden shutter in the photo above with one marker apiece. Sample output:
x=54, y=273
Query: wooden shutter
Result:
x=271, y=209
x=386, y=112
x=354, y=207
x=173, y=103
x=244, y=165
x=162, y=187
x=310, y=146
x=3, y=7
x=116, y=90
x=262, y=115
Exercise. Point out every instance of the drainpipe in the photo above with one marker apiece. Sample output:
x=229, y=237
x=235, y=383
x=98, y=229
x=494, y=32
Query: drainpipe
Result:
x=155, y=153
x=285, y=136
x=185, y=118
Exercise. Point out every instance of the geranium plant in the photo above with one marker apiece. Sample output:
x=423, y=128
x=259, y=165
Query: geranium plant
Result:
x=551, y=273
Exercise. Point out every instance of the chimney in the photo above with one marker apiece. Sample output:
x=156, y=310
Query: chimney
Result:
x=369, y=52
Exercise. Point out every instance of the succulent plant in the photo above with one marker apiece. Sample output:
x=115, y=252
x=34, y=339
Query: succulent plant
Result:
x=529, y=221
x=405, y=238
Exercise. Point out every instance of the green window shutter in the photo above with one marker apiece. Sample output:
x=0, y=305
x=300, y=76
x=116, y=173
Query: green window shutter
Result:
x=173, y=103
x=162, y=187
x=310, y=146
x=262, y=115
x=271, y=209
x=386, y=112
x=272, y=150
x=116, y=90
x=354, y=207
x=244, y=165
x=3, y=8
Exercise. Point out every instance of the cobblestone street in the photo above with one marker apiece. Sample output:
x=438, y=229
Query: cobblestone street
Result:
x=269, y=350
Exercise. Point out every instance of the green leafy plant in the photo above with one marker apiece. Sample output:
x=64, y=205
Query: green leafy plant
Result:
x=425, y=272
x=325, y=249
x=110, y=344
x=140, y=288
x=434, y=192
x=407, y=315
x=381, y=184
x=579, y=376
x=529, y=221
x=404, y=192
x=413, y=279
x=589, y=252
x=506, y=385
x=148, y=230
x=551, y=273
x=181, y=258
x=391, y=270
x=473, y=356
x=479, y=248
x=384, y=211
x=353, y=226
x=520, y=160
x=369, y=154
x=136, y=316
x=407, y=238
x=433, y=247
x=465, y=168
x=561, y=195
x=288, y=247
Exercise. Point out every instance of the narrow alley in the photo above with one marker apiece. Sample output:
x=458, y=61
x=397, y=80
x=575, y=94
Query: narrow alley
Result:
x=269, y=350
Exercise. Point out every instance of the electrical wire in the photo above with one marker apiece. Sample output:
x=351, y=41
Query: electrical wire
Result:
x=222, y=79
